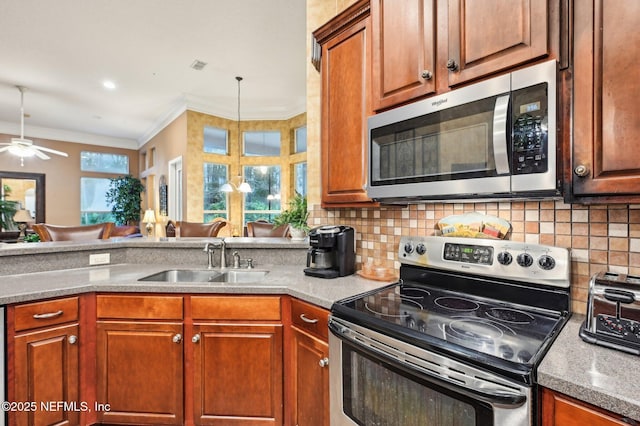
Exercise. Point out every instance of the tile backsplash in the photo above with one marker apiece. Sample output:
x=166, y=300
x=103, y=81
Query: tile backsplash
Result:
x=600, y=237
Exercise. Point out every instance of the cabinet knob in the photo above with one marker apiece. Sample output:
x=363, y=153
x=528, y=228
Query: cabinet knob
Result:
x=73, y=339
x=581, y=170
x=427, y=75
x=177, y=338
x=196, y=338
x=452, y=65
x=324, y=362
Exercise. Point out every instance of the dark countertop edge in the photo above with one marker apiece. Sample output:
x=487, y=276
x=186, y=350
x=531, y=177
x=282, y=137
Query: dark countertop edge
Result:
x=571, y=366
x=18, y=249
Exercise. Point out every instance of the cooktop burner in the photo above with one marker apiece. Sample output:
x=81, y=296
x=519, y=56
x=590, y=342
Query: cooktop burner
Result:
x=457, y=304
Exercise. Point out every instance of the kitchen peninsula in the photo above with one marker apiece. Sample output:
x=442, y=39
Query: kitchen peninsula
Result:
x=99, y=332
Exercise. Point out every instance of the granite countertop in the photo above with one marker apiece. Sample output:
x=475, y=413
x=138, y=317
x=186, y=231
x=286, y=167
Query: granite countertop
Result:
x=604, y=377
x=124, y=278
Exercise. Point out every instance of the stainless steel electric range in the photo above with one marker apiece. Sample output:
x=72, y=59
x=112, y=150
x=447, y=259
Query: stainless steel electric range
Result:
x=456, y=341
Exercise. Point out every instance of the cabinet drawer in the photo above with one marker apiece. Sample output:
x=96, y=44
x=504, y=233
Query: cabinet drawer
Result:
x=242, y=308
x=310, y=318
x=49, y=312
x=139, y=307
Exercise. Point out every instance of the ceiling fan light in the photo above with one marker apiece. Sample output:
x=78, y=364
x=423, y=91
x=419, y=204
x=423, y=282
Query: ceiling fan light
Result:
x=21, y=151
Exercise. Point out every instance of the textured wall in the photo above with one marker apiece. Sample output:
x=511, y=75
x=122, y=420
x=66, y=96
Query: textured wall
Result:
x=600, y=237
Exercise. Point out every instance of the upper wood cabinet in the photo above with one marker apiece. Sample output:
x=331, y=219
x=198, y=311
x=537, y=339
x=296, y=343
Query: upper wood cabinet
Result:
x=404, y=50
x=345, y=73
x=488, y=36
x=605, y=159
x=426, y=46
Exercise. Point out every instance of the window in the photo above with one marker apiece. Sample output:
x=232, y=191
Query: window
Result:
x=215, y=140
x=263, y=144
x=300, y=139
x=300, y=178
x=104, y=163
x=215, y=201
x=264, y=201
x=93, y=203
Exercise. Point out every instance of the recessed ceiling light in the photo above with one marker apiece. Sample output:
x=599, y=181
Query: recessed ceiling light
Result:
x=108, y=84
x=198, y=65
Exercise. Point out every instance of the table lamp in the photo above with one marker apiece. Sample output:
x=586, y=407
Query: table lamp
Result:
x=150, y=219
x=21, y=218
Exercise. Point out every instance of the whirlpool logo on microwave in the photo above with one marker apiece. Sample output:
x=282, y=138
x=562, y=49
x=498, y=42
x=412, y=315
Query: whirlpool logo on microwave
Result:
x=439, y=102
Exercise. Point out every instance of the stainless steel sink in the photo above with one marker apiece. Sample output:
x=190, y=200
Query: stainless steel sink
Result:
x=204, y=276
x=243, y=276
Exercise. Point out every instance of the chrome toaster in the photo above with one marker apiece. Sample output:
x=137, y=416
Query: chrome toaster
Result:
x=613, y=312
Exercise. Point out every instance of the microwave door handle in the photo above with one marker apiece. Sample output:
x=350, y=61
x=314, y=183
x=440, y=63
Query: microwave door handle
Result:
x=500, y=152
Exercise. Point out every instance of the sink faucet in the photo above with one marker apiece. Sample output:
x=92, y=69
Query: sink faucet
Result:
x=209, y=248
x=223, y=254
x=236, y=260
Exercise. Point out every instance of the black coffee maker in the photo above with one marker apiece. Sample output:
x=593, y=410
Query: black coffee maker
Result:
x=332, y=253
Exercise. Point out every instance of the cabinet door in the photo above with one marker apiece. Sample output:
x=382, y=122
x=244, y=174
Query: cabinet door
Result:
x=606, y=91
x=310, y=380
x=140, y=372
x=238, y=374
x=345, y=107
x=403, y=54
x=46, y=371
x=561, y=410
x=488, y=36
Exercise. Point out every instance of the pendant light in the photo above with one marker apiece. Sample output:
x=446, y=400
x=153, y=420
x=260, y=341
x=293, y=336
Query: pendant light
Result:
x=243, y=186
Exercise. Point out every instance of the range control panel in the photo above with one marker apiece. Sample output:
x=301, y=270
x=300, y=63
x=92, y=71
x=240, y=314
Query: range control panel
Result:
x=468, y=253
x=498, y=258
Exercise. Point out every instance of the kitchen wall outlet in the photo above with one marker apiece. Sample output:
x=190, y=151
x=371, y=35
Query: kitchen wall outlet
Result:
x=100, y=259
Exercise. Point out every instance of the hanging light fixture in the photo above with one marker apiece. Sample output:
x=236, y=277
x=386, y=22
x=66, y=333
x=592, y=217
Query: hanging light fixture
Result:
x=243, y=186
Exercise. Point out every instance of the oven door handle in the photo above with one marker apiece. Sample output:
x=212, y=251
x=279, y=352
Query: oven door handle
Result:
x=494, y=396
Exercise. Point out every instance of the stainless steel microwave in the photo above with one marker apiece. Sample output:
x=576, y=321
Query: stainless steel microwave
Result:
x=494, y=139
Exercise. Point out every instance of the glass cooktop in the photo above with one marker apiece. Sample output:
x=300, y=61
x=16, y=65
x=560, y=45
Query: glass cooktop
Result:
x=510, y=332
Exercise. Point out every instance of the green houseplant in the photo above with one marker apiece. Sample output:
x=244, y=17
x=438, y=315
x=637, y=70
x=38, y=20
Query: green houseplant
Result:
x=7, y=210
x=124, y=195
x=296, y=216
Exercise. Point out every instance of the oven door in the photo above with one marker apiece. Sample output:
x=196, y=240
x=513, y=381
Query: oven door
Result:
x=374, y=380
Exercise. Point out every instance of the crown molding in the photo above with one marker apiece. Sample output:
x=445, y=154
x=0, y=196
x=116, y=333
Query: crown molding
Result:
x=67, y=136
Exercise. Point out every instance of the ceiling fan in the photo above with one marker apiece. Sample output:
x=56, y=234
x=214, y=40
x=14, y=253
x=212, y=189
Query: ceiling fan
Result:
x=24, y=147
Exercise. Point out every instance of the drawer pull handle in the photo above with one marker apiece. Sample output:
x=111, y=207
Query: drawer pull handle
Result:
x=308, y=320
x=48, y=315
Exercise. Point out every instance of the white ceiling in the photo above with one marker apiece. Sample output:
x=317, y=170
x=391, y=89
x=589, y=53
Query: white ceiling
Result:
x=63, y=50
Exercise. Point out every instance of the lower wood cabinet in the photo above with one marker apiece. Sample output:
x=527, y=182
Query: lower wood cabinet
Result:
x=140, y=372
x=562, y=410
x=43, y=363
x=238, y=374
x=237, y=360
x=308, y=366
x=159, y=359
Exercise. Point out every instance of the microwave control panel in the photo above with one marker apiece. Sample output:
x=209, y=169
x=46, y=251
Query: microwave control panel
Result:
x=529, y=131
